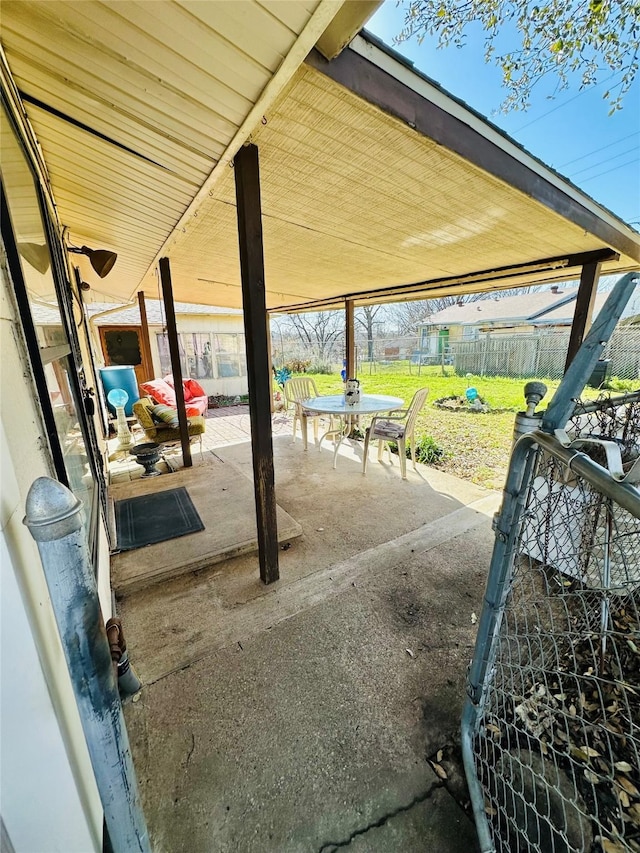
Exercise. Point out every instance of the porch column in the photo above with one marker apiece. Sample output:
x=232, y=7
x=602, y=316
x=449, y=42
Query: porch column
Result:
x=144, y=336
x=174, y=352
x=350, y=339
x=247, y=175
x=584, y=308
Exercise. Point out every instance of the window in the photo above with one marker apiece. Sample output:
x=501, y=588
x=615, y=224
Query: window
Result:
x=206, y=355
x=49, y=345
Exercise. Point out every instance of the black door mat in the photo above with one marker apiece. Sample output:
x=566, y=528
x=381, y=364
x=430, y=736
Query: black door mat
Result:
x=149, y=519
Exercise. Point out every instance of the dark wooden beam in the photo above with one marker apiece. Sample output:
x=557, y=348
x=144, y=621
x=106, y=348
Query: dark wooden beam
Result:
x=144, y=337
x=381, y=89
x=451, y=284
x=247, y=175
x=585, y=301
x=174, y=352
x=350, y=339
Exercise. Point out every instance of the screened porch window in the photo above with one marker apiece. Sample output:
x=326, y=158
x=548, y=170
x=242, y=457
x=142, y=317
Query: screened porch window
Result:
x=206, y=355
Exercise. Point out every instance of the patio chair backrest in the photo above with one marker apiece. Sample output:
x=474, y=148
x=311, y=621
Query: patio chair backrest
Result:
x=300, y=388
x=415, y=406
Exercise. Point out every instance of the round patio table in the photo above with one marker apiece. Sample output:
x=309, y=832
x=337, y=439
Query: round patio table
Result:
x=335, y=406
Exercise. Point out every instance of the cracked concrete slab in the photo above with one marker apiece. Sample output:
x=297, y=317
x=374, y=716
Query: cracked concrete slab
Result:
x=436, y=823
x=285, y=718
x=304, y=732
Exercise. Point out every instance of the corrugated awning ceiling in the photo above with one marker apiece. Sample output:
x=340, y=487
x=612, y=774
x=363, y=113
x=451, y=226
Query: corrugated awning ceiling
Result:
x=354, y=199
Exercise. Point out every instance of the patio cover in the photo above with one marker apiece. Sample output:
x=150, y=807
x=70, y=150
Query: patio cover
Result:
x=376, y=184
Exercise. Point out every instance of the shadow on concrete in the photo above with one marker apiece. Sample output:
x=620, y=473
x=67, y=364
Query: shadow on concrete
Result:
x=300, y=716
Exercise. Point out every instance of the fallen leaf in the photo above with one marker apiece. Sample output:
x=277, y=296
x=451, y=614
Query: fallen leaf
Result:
x=628, y=786
x=624, y=766
x=610, y=846
x=624, y=799
x=440, y=771
x=578, y=753
x=439, y=755
x=634, y=813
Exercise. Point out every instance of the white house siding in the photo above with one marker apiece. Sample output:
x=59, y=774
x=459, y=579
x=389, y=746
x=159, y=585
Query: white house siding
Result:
x=200, y=323
x=48, y=795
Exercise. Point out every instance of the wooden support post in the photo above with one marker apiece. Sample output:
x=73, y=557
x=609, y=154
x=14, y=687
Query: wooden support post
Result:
x=584, y=308
x=174, y=352
x=145, y=342
x=247, y=175
x=350, y=340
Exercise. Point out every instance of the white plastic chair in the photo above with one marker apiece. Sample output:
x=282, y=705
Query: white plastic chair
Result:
x=297, y=389
x=398, y=427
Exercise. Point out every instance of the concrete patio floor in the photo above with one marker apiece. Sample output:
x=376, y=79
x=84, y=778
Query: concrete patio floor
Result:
x=301, y=716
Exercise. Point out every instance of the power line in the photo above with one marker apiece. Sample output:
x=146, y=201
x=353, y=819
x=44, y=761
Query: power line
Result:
x=564, y=103
x=605, y=160
x=606, y=172
x=600, y=148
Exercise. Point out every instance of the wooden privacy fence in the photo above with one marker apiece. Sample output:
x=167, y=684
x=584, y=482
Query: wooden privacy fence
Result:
x=541, y=354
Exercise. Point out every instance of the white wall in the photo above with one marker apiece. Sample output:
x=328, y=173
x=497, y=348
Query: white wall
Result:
x=48, y=794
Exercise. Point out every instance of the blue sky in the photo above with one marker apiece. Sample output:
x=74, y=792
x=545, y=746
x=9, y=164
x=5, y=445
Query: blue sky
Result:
x=572, y=132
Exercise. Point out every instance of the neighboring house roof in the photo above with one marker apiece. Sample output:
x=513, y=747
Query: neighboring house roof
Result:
x=563, y=315
x=536, y=309
x=130, y=314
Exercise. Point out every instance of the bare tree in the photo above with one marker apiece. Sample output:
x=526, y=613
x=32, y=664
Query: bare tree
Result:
x=319, y=331
x=365, y=317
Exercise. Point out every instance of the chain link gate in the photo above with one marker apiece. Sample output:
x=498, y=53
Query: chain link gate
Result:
x=551, y=728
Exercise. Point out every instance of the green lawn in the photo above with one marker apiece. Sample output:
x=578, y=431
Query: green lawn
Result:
x=476, y=446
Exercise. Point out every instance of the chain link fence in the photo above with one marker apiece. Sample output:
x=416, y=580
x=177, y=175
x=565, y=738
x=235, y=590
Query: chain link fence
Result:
x=555, y=740
x=541, y=354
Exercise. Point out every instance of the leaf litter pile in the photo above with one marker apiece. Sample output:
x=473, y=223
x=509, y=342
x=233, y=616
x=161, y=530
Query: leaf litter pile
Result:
x=580, y=720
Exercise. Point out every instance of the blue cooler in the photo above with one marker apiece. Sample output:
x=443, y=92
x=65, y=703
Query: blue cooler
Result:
x=121, y=376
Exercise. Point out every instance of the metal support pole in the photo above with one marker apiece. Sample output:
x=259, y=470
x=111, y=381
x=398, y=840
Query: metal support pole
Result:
x=249, y=212
x=54, y=518
x=174, y=352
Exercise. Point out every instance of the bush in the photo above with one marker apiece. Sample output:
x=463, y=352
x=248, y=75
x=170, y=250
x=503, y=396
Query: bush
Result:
x=297, y=365
x=617, y=384
x=427, y=451
x=320, y=367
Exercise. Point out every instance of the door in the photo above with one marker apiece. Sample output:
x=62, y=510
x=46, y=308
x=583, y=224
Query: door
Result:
x=122, y=345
